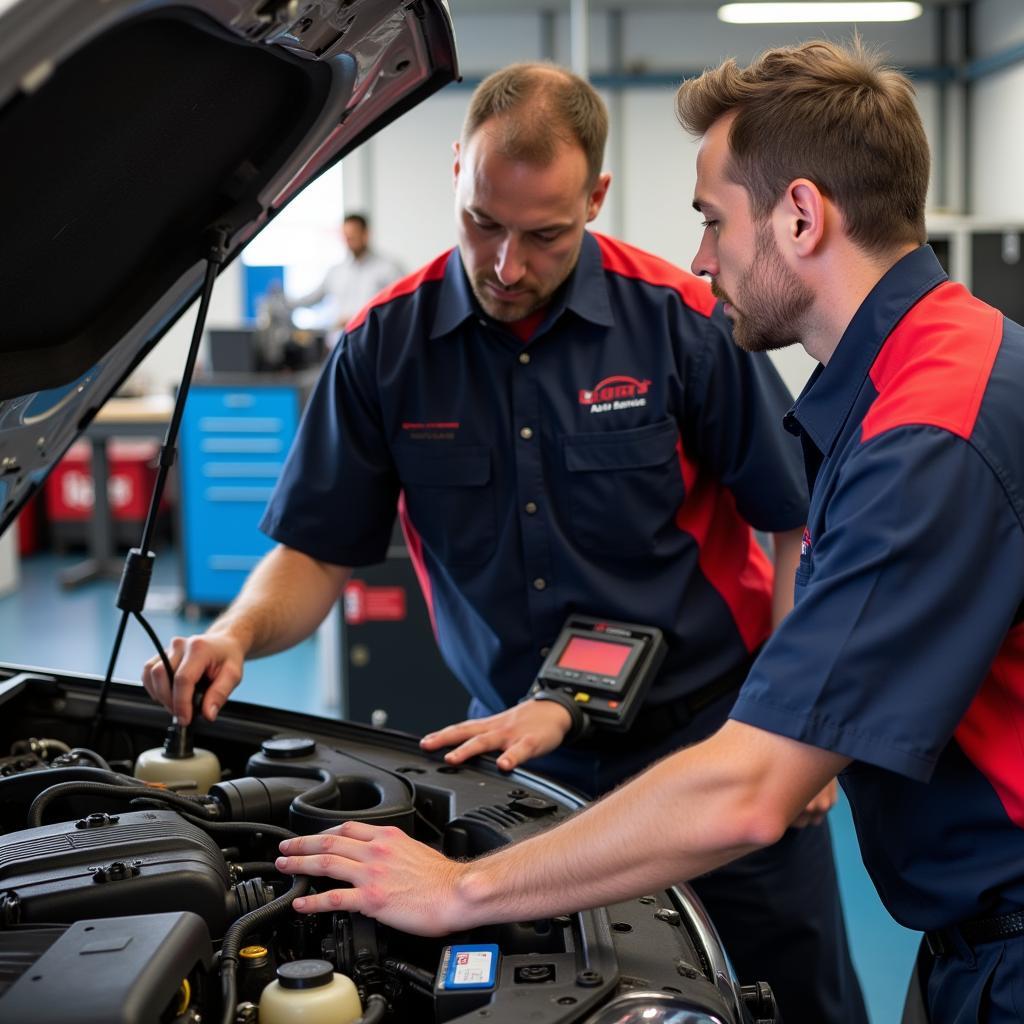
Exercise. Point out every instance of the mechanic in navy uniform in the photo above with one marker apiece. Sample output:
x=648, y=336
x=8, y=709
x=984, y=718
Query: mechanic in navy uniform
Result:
x=564, y=424
x=902, y=662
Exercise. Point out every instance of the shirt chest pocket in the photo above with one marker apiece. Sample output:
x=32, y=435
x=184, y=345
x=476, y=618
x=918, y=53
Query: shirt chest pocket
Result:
x=624, y=487
x=450, y=500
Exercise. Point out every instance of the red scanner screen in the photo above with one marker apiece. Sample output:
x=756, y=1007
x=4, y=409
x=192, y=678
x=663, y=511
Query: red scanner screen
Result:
x=598, y=656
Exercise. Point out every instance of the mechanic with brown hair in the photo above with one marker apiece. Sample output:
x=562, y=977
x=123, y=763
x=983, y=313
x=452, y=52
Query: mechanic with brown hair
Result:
x=565, y=426
x=902, y=663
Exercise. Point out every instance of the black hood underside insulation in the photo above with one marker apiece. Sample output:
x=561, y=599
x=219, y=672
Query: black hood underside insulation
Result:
x=116, y=169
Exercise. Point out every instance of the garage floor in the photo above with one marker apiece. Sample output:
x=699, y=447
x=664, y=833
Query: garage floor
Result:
x=44, y=626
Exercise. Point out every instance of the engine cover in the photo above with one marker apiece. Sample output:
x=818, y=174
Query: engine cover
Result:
x=112, y=971
x=142, y=862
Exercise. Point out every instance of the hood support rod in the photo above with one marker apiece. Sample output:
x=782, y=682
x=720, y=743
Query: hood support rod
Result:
x=138, y=566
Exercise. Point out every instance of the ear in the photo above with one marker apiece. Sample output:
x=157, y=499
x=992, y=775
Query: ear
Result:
x=597, y=195
x=801, y=214
x=457, y=164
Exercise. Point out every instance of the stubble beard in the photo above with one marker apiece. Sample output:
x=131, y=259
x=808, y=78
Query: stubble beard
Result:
x=509, y=312
x=771, y=300
x=505, y=312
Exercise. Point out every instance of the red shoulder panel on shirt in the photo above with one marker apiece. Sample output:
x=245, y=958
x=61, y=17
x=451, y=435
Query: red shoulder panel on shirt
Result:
x=433, y=271
x=620, y=258
x=934, y=367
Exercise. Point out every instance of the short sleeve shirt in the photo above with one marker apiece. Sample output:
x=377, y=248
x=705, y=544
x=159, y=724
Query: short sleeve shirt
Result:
x=615, y=466
x=905, y=650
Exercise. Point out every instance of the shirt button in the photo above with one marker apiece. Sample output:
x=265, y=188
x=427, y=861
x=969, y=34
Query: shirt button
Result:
x=539, y=583
x=526, y=433
x=531, y=507
x=545, y=651
x=524, y=357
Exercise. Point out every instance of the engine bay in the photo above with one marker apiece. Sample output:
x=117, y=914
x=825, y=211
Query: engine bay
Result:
x=122, y=900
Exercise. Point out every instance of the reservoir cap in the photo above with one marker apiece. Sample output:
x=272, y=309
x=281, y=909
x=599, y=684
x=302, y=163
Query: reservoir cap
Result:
x=282, y=747
x=305, y=974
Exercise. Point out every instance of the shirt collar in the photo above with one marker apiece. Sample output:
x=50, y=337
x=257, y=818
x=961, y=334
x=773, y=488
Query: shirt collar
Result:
x=829, y=395
x=585, y=292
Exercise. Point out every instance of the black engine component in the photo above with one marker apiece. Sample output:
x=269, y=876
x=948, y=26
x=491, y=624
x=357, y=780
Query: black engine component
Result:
x=117, y=970
x=121, y=849
x=107, y=865
x=348, y=788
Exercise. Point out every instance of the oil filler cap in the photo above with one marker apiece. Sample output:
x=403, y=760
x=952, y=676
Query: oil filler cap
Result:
x=284, y=747
x=534, y=806
x=305, y=974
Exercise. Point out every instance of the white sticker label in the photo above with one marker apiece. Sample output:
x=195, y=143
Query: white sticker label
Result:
x=472, y=967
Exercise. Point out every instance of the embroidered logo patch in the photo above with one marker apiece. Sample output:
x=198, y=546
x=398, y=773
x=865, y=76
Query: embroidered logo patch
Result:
x=616, y=392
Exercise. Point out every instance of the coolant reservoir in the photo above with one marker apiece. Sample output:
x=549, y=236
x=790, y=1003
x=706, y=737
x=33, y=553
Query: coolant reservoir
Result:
x=310, y=992
x=201, y=766
x=177, y=761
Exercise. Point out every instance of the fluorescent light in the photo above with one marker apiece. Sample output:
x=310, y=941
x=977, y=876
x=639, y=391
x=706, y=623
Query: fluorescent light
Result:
x=812, y=10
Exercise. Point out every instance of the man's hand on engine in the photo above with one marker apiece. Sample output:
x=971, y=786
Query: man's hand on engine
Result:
x=394, y=878
x=522, y=732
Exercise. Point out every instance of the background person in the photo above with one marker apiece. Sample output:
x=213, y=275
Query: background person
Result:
x=352, y=283
x=472, y=389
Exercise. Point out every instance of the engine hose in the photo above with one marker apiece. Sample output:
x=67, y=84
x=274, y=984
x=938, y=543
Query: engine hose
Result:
x=376, y=1007
x=26, y=746
x=76, y=754
x=218, y=827
x=410, y=972
x=255, y=867
x=235, y=936
x=83, y=752
x=306, y=803
x=23, y=788
x=180, y=803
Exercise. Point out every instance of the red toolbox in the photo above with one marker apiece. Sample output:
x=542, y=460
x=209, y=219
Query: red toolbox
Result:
x=69, y=488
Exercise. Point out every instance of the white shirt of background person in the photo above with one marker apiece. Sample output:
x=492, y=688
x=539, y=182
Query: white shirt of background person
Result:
x=351, y=284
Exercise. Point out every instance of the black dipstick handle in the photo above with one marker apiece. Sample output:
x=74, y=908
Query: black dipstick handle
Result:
x=178, y=741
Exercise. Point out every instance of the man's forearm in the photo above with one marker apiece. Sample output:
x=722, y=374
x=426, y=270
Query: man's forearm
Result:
x=690, y=813
x=284, y=600
x=787, y=559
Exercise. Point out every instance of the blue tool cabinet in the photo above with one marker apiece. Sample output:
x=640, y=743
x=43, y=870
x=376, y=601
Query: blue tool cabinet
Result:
x=234, y=440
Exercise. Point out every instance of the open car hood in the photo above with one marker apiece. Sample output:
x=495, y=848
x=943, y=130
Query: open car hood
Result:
x=134, y=133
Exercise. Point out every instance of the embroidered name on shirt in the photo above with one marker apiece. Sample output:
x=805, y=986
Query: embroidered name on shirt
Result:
x=430, y=431
x=614, y=393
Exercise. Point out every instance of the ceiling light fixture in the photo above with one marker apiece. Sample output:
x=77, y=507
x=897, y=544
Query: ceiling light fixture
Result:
x=812, y=10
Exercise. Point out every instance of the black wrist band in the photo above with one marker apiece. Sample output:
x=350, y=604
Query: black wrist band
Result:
x=581, y=724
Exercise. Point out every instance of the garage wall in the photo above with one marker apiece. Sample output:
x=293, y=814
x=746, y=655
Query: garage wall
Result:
x=996, y=101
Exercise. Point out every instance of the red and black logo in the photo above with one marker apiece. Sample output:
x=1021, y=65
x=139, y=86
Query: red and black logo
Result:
x=618, y=387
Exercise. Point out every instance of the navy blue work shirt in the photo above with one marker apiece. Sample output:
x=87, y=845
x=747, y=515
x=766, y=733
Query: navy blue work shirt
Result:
x=614, y=466
x=905, y=650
